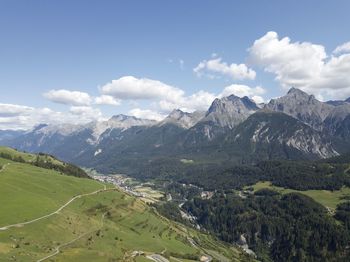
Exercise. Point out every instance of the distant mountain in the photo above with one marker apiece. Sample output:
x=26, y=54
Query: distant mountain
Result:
x=302, y=106
x=69, y=141
x=294, y=126
x=337, y=102
x=183, y=119
x=331, y=117
x=10, y=134
x=223, y=115
x=272, y=135
x=230, y=111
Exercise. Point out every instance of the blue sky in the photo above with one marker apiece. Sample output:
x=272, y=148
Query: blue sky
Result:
x=83, y=45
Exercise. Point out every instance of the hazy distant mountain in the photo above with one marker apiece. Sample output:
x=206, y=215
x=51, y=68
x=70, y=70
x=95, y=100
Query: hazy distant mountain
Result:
x=183, y=119
x=68, y=141
x=10, y=134
x=294, y=126
x=338, y=102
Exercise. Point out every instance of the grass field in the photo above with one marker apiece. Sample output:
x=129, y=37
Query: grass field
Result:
x=28, y=157
x=108, y=226
x=327, y=198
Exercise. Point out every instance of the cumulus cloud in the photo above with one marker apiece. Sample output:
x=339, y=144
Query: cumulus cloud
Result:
x=200, y=100
x=146, y=114
x=10, y=110
x=303, y=65
x=344, y=48
x=243, y=90
x=130, y=87
x=86, y=112
x=75, y=98
x=106, y=100
x=215, y=66
x=164, y=98
x=23, y=117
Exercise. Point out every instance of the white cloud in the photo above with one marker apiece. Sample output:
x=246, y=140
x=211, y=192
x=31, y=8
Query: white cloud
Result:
x=216, y=66
x=146, y=114
x=242, y=90
x=10, y=110
x=303, y=65
x=344, y=48
x=106, y=100
x=86, y=111
x=75, y=98
x=165, y=97
x=200, y=100
x=23, y=117
x=129, y=87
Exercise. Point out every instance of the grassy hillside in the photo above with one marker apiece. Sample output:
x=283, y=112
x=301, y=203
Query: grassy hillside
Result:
x=327, y=198
x=42, y=160
x=108, y=225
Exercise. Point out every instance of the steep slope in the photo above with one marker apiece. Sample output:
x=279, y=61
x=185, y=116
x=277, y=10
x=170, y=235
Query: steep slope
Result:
x=230, y=111
x=223, y=115
x=302, y=106
x=43, y=161
x=69, y=141
x=125, y=151
x=95, y=222
x=337, y=122
x=10, y=134
x=273, y=135
x=331, y=117
x=183, y=119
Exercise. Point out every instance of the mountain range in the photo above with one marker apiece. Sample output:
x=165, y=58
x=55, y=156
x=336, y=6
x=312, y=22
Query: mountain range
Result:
x=294, y=126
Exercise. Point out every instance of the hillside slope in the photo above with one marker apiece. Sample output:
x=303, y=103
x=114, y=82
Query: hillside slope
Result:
x=46, y=215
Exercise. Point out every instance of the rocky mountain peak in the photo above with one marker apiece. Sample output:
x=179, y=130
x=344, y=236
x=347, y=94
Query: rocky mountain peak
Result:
x=38, y=127
x=302, y=106
x=230, y=111
x=183, y=119
x=121, y=117
x=177, y=113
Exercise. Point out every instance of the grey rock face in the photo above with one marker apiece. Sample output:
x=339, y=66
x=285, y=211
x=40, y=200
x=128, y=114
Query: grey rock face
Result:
x=10, y=134
x=230, y=111
x=68, y=141
x=278, y=133
x=302, y=106
x=183, y=119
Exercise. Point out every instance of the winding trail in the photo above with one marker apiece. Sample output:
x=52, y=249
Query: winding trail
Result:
x=58, y=210
x=58, y=248
x=4, y=166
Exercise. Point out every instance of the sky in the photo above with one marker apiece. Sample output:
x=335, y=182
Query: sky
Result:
x=80, y=61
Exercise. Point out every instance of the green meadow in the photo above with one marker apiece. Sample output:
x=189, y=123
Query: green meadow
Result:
x=107, y=226
x=327, y=198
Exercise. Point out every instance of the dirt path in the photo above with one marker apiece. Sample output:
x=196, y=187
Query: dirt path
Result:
x=4, y=166
x=58, y=248
x=57, y=211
